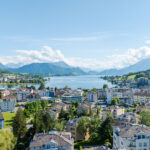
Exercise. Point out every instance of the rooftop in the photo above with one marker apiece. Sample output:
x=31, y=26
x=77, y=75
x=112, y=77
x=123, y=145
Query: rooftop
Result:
x=61, y=138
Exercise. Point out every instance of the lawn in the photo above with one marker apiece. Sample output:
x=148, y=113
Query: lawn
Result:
x=131, y=76
x=8, y=119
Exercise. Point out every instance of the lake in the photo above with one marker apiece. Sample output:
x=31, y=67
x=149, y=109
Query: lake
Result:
x=74, y=82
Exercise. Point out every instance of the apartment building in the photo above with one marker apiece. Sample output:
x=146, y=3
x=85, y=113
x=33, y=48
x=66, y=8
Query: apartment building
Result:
x=7, y=103
x=22, y=95
x=71, y=126
x=52, y=141
x=91, y=96
x=131, y=137
x=116, y=111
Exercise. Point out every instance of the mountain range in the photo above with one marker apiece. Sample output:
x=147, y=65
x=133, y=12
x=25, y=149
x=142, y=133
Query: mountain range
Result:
x=61, y=68
x=142, y=65
x=57, y=68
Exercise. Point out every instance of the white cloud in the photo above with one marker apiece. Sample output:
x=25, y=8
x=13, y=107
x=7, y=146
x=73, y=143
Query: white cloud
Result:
x=147, y=41
x=47, y=54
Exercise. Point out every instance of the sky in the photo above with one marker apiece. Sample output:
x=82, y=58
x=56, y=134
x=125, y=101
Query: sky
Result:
x=95, y=34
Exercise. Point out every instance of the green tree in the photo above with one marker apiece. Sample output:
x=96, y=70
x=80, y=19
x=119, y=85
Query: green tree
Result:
x=19, y=124
x=42, y=86
x=7, y=140
x=43, y=122
x=114, y=101
x=48, y=122
x=98, y=111
x=145, y=117
x=10, y=85
x=94, y=125
x=44, y=104
x=83, y=124
x=66, y=87
x=94, y=90
x=105, y=86
x=38, y=124
x=63, y=114
x=106, y=130
x=1, y=96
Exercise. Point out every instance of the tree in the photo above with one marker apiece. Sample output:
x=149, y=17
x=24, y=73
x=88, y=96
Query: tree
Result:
x=48, y=122
x=42, y=86
x=33, y=87
x=10, y=86
x=66, y=87
x=105, y=86
x=1, y=96
x=114, y=101
x=44, y=104
x=94, y=125
x=94, y=90
x=43, y=122
x=7, y=140
x=82, y=128
x=145, y=117
x=106, y=130
x=19, y=124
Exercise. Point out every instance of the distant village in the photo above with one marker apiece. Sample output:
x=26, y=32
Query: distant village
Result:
x=63, y=118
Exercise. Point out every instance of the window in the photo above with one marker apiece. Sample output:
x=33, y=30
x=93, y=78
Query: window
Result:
x=145, y=144
x=139, y=137
x=143, y=136
x=140, y=144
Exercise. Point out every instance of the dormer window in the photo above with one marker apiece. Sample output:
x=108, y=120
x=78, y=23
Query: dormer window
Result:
x=143, y=136
x=139, y=136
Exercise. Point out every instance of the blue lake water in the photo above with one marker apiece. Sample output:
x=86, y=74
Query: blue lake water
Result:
x=74, y=82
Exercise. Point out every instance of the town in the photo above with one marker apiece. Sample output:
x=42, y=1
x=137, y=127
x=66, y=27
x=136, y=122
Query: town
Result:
x=74, y=75
x=63, y=118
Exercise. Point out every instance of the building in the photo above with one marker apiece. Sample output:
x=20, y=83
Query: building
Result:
x=56, y=109
x=97, y=148
x=128, y=118
x=52, y=141
x=22, y=95
x=1, y=121
x=72, y=97
x=92, y=96
x=116, y=111
x=131, y=137
x=4, y=92
x=102, y=94
x=7, y=103
x=47, y=93
x=33, y=97
x=111, y=95
x=71, y=126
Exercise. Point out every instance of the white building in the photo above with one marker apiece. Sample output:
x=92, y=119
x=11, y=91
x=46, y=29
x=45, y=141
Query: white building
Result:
x=131, y=137
x=52, y=141
x=47, y=93
x=7, y=103
x=111, y=95
x=91, y=96
x=22, y=95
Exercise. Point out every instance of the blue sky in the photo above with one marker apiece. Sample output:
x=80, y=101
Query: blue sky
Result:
x=87, y=33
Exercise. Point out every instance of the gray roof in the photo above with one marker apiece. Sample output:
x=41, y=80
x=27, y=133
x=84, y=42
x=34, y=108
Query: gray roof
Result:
x=130, y=130
x=61, y=138
x=1, y=116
